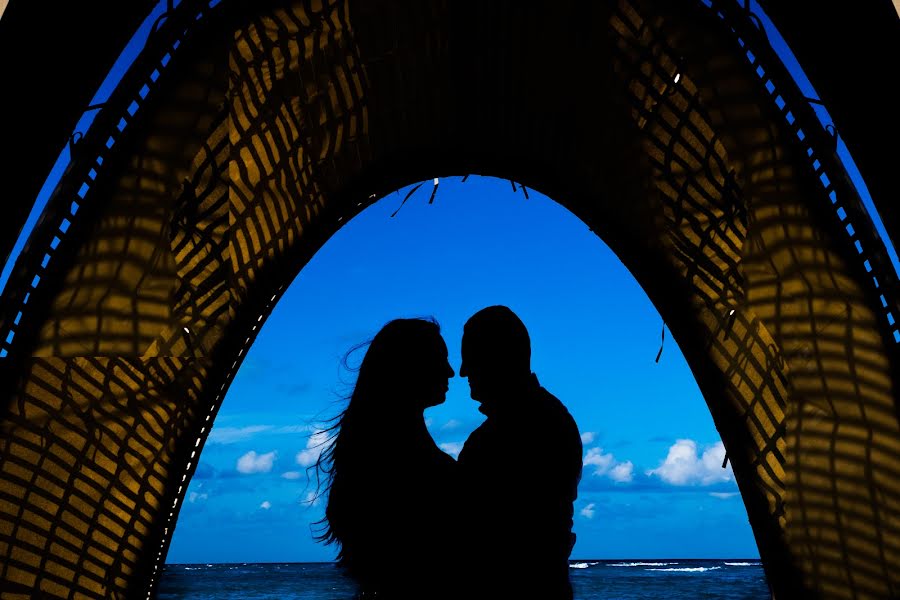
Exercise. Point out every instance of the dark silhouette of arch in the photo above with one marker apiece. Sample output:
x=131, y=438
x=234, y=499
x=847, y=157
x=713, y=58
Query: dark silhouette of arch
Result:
x=240, y=141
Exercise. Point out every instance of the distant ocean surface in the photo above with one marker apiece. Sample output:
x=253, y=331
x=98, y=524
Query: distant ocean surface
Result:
x=663, y=579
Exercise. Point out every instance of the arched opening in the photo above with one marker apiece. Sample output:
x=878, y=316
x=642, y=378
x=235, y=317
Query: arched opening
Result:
x=595, y=335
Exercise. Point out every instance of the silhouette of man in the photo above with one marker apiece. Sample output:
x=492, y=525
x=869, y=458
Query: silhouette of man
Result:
x=519, y=470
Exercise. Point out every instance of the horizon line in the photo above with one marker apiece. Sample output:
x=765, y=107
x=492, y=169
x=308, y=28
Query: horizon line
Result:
x=324, y=562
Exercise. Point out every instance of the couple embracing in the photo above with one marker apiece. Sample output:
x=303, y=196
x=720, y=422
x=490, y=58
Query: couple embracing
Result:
x=411, y=522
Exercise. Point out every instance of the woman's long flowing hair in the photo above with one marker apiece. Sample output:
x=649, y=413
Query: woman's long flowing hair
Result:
x=345, y=464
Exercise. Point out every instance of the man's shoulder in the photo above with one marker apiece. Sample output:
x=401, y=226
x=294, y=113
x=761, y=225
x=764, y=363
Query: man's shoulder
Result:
x=554, y=405
x=556, y=422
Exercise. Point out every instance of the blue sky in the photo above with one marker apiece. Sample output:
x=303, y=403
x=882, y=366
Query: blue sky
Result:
x=653, y=485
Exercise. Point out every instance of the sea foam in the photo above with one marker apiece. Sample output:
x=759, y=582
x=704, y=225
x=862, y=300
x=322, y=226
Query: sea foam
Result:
x=642, y=564
x=687, y=569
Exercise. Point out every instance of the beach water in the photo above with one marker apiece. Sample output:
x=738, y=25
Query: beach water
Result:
x=662, y=579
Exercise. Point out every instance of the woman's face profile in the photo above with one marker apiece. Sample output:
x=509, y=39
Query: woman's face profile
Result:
x=409, y=362
x=434, y=372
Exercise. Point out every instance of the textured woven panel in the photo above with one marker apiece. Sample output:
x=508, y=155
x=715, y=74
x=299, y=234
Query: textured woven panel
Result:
x=91, y=447
x=799, y=350
x=690, y=154
x=295, y=108
x=158, y=237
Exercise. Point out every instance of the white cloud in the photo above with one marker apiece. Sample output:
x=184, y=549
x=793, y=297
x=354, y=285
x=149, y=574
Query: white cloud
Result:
x=622, y=472
x=451, y=424
x=194, y=496
x=256, y=463
x=724, y=495
x=292, y=429
x=316, y=443
x=266, y=505
x=292, y=474
x=311, y=499
x=602, y=463
x=683, y=465
x=588, y=511
x=607, y=465
x=230, y=435
x=588, y=437
x=308, y=457
x=452, y=448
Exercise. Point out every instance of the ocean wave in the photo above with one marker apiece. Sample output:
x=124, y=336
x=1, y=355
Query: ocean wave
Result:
x=742, y=564
x=688, y=569
x=642, y=564
x=582, y=565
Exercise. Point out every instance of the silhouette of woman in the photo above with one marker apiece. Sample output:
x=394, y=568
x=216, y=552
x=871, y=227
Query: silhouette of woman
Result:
x=389, y=485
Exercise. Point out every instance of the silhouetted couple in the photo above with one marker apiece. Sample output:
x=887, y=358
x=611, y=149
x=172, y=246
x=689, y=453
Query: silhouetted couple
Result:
x=413, y=523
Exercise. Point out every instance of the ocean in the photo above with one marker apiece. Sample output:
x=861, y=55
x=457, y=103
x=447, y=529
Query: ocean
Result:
x=663, y=579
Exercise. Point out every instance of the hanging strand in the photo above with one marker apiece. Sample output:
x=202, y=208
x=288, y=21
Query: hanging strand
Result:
x=662, y=342
x=437, y=182
x=411, y=192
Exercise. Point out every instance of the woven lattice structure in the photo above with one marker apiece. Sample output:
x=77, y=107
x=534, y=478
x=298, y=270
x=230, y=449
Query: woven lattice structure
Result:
x=244, y=136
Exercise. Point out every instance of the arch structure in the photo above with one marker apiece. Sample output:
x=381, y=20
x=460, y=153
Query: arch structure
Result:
x=246, y=134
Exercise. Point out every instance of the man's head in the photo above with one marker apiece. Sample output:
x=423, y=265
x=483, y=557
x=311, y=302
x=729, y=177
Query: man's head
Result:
x=496, y=353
